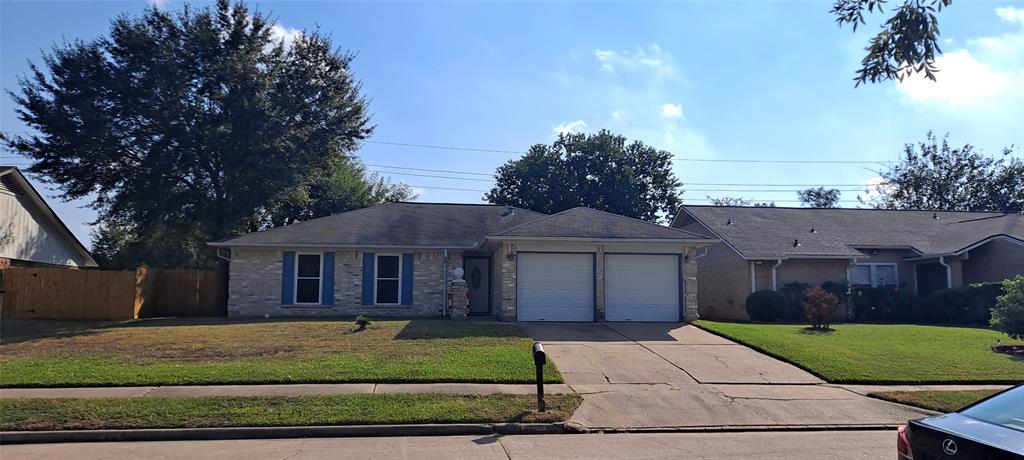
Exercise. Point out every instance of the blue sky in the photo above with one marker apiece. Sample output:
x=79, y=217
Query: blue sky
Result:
x=708, y=80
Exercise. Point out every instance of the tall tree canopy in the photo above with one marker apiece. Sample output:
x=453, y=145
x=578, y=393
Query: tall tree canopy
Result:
x=820, y=197
x=191, y=126
x=602, y=171
x=935, y=175
x=907, y=43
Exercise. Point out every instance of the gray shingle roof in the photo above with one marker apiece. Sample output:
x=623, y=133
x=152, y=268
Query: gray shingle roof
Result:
x=771, y=232
x=590, y=223
x=394, y=224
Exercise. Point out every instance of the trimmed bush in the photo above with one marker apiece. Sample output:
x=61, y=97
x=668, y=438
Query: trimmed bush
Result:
x=795, y=294
x=838, y=289
x=1008, y=314
x=820, y=307
x=765, y=305
x=946, y=306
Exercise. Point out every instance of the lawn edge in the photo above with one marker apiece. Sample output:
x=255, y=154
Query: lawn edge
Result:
x=280, y=382
x=311, y=431
x=848, y=381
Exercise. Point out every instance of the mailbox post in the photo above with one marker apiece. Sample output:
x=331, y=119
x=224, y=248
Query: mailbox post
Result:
x=538, y=361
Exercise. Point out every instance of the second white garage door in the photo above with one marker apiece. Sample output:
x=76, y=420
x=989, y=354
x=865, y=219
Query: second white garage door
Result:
x=555, y=287
x=641, y=287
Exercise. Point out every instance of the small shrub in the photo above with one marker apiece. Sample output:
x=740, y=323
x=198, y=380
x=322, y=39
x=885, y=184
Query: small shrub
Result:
x=946, y=306
x=362, y=322
x=981, y=297
x=820, y=307
x=838, y=289
x=1008, y=314
x=870, y=303
x=765, y=305
x=795, y=294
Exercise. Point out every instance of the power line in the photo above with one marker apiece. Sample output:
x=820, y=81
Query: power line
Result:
x=677, y=158
x=432, y=170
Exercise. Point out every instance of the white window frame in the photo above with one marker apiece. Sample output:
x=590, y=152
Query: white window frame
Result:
x=319, y=279
x=376, y=278
x=871, y=272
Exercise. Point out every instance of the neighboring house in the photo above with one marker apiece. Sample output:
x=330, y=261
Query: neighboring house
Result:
x=31, y=234
x=398, y=259
x=921, y=251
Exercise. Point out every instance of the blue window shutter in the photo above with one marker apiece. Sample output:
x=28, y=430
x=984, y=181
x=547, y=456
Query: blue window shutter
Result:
x=327, y=280
x=406, y=279
x=368, y=276
x=288, y=278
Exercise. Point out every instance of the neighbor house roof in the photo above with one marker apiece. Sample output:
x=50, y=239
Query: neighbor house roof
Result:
x=14, y=182
x=771, y=233
x=587, y=223
x=435, y=225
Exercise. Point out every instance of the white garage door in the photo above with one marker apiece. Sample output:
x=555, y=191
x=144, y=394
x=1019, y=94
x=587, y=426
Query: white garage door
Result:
x=555, y=287
x=641, y=287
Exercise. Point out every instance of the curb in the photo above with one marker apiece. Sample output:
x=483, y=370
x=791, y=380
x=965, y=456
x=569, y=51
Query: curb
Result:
x=734, y=428
x=228, y=433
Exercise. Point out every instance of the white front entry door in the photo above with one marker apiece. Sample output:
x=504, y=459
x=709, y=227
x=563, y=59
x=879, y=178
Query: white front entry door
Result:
x=555, y=286
x=641, y=287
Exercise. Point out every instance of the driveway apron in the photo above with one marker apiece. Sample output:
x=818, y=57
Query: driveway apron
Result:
x=664, y=375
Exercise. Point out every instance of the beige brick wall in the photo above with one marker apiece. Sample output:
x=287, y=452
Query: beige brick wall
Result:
x=254, y=288
x=995, y=261
x=506, y=308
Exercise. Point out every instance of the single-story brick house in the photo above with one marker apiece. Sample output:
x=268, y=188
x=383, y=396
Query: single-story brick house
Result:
x=398, y=260
x=921, y=251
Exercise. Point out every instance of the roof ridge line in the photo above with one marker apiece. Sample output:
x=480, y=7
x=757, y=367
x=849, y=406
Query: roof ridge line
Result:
x=643, y=221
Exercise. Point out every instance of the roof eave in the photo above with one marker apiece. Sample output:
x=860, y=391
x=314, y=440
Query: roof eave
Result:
x=228, y=244
x=621, y=240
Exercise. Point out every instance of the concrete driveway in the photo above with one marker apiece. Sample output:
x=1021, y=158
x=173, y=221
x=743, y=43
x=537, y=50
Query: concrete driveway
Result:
x=662, y=375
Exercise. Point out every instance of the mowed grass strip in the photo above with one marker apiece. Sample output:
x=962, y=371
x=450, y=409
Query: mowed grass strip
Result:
x=223, y=351
x=942, y=401
x=883, y=353
x=206, y=412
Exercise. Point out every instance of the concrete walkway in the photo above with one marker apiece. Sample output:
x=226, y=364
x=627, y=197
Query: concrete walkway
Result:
x=281, y=390
x=664, y=375
x=739, y=446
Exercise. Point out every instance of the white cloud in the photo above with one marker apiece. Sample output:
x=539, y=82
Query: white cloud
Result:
x=1011, y=14
x=651, y=59
x=671, y=111
x=159, y=4
x=962, y=80
x=570, y=127
x=288, y=34
x=985, y=77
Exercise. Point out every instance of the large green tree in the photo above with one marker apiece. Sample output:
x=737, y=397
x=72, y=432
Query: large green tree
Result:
x=935, y=175
x=819, y=197
x=907, y=43
x=603, y=171
x=194, y=125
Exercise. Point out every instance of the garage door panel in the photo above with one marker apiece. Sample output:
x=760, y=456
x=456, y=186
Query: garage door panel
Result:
x=555, y=287
x=641, y=287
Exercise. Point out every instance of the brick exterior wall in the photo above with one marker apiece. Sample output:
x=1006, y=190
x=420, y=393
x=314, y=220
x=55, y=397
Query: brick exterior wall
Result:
x=254, y=288
x=995, y=261
x=599, y=302
x=506, y=309
x=691, y=311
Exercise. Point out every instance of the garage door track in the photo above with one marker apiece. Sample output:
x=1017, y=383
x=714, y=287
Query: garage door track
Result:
x=666, y=375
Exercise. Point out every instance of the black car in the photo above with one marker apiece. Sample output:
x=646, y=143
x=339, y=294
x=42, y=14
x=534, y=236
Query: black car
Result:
x=990, y=429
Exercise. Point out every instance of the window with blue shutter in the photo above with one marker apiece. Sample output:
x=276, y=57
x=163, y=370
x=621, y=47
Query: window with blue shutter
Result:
x=327, y=294
x=368, y=278
x=288, y=278
x=407, y=279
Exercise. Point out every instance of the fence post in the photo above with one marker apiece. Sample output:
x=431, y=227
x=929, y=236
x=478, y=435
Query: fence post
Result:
x=143, y=293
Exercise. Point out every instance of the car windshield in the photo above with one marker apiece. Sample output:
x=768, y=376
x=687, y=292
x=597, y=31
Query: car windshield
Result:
x=1005, y=409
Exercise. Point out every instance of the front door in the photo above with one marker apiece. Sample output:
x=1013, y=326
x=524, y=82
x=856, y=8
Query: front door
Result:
x=478, y=278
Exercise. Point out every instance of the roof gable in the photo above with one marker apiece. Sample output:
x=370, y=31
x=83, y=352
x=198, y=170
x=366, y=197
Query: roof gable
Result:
x=587, y=223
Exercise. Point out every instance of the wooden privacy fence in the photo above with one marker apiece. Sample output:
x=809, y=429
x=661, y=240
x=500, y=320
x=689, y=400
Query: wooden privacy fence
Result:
x=59, y=293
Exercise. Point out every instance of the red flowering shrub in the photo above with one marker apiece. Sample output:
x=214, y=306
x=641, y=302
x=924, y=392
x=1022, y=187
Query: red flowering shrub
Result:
x=820, y=307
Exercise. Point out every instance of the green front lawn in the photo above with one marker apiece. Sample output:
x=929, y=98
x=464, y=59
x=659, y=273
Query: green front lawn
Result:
x=127, y=413
x=942, y=401
x=882, y=353
x=223, y=351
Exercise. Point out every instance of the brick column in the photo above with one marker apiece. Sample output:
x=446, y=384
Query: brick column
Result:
x=507, y=309
x=599, y=284
x=458, y=292
x=690, y=312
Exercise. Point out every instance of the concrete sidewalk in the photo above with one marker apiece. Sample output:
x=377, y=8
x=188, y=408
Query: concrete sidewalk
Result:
x=282, y=390
x=733, y=446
